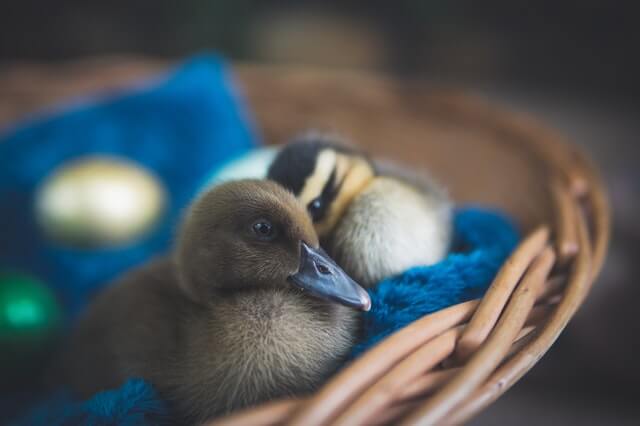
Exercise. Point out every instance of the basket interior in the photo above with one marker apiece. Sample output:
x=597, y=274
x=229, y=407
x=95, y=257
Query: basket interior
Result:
x=476, y=160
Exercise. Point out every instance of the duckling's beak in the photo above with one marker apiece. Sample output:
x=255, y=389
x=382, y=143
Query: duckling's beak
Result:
x=321, y=276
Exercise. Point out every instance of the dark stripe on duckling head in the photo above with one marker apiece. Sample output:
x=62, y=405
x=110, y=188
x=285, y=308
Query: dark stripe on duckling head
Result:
x=319, y=206
x=297, y=161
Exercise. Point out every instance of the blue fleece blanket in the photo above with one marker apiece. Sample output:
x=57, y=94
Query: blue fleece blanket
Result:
x=135, y=403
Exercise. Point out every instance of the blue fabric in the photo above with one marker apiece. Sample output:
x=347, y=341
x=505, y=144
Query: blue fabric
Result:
x=483, y=239
x=133, y=404
x=180, y=126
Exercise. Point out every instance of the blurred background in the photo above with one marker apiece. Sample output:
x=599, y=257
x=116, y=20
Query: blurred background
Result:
x=574, y=64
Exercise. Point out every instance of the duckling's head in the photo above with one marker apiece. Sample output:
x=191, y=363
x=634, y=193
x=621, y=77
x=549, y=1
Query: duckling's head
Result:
x=324, y=174
x=251, y=234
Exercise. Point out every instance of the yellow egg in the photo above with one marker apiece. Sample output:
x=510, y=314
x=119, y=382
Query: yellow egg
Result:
x=99, y=201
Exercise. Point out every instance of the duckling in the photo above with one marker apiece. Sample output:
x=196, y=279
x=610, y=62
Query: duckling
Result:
x=375, y=219
x=248, y=308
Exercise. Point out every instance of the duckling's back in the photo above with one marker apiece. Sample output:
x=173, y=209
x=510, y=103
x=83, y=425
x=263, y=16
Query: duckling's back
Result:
x=394, y=224
x=132, y=329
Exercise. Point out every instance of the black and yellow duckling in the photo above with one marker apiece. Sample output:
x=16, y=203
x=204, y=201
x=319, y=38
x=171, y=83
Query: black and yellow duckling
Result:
x=375, y=219
x=248, y=308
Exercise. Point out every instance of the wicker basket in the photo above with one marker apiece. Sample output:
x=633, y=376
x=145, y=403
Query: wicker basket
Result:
x=449, y=365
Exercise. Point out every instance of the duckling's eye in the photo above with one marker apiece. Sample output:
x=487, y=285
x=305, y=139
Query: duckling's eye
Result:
x=263, y=229
x=315, y=208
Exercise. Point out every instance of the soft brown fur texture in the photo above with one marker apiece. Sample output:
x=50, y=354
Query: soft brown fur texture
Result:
x=217, y=327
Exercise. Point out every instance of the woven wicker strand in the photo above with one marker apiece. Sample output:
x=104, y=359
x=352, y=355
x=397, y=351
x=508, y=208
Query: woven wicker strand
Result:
x=566, y=238
x=376, y=362
x=491, y=306
x=489, y=356
x=449, y=365
x=516, y=367
x=382, y=394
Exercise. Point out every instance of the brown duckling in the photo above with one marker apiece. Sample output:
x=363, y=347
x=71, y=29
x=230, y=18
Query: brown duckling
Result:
x=247, y=309
x=375, y=219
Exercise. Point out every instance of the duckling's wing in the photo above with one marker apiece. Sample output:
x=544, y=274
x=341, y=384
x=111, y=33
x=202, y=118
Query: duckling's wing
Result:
x=400, y=220
x=435, y=193
x=124, y=333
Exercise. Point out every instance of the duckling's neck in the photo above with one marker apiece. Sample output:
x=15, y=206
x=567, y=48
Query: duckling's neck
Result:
x=265, y=344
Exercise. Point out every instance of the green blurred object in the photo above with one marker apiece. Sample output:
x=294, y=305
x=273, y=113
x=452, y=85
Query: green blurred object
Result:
x=30, y=319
